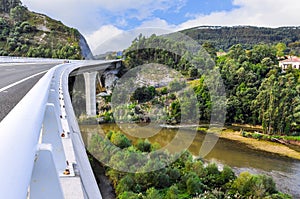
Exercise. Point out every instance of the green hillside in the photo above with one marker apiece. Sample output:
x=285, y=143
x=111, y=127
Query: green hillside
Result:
x=225, y=37
x=28, y=34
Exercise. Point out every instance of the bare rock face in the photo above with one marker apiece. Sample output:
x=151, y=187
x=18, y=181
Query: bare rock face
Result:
x=110, y=78
x=85, y=49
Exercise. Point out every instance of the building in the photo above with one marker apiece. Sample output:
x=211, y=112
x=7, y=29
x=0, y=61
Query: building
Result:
x=292, y=61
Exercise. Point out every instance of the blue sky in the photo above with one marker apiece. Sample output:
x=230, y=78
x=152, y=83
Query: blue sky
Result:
x=176, y=13
x=101, y=20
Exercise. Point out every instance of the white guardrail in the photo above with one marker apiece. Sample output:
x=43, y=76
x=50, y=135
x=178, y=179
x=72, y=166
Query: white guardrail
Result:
x=8, y=59
x=22, y=147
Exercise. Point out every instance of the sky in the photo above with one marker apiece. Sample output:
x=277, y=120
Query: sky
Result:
x=111, y=24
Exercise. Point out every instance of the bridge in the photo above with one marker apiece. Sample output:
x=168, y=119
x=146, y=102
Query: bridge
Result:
x=42, y=152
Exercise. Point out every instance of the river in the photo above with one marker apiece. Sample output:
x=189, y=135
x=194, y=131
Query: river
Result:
x=285, y=171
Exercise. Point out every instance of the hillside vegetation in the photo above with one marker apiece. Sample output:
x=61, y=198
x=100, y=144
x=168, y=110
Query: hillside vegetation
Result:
x=225, y=37
x=29, y=34
x=257, y=91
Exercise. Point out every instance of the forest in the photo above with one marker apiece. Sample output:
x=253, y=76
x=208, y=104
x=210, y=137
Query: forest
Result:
x=258, y=92
x=223, y=38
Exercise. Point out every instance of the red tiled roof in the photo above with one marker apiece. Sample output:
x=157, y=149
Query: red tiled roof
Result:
x=292, y=59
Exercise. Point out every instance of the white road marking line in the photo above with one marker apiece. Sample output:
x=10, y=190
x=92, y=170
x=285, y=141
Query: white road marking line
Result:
x=19, y=82
x=18, y=64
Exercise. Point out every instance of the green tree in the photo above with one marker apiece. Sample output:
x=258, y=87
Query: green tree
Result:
x=120, y=140
x=152, y=193
x=144, y=94
x=125, y=184
x=143, y=145
x=194, y=186
x=281, y=48
x=129, y=195
x=172, y=192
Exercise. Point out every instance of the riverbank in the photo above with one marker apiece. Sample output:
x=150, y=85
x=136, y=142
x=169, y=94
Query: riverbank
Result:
x=267, y=146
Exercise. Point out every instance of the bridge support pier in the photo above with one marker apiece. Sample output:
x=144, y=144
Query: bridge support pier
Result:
x=90, y=92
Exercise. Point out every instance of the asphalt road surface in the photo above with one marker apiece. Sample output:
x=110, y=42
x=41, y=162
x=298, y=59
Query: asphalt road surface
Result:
x=24, y=73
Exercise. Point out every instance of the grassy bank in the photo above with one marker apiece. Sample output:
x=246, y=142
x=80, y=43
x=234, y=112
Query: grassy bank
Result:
x=268, y=146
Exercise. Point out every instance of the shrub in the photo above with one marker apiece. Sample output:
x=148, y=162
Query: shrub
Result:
x=254, y=186
x=144, y=94
x=128, y=195
x=125, y=184
x=172, y=192
x=120, y=140
x=257, y=136
x=152, y=193
x=143, y=145
x=194, y=186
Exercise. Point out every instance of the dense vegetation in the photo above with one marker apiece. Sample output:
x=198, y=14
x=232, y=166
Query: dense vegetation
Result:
x=184, y=178
x=28, y=34
x=257, y=91
x=223, y=38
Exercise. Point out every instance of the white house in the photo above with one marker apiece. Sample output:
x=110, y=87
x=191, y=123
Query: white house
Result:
x=292, y=61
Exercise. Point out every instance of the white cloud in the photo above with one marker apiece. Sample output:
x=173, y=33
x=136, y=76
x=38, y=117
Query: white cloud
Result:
x=267, y=13
x=158, y=23
x=84, y=14
x=110, y=38
x=87, y=15
x=101, y=36
x=75, y=13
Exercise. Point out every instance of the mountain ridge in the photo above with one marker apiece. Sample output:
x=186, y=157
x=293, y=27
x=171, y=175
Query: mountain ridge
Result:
x=223, y=37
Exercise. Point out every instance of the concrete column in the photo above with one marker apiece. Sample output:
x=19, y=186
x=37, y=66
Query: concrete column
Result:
x=90, y=93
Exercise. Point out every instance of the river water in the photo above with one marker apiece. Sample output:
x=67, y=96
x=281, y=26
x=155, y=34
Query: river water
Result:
x=285, y=171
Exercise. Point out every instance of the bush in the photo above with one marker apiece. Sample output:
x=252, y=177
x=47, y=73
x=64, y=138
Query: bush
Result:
x=143, y=145
x=107, y=116
x=120, y=140
x=172, y=192
x=164, y=91
x=227, y=175
x=128, y=195
x=257, y=136
x=254, y=186
x=125, y=184
x=152, y=193
x=212, y=176
x=144, y=94
x=163, y=181
x=194, y=186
